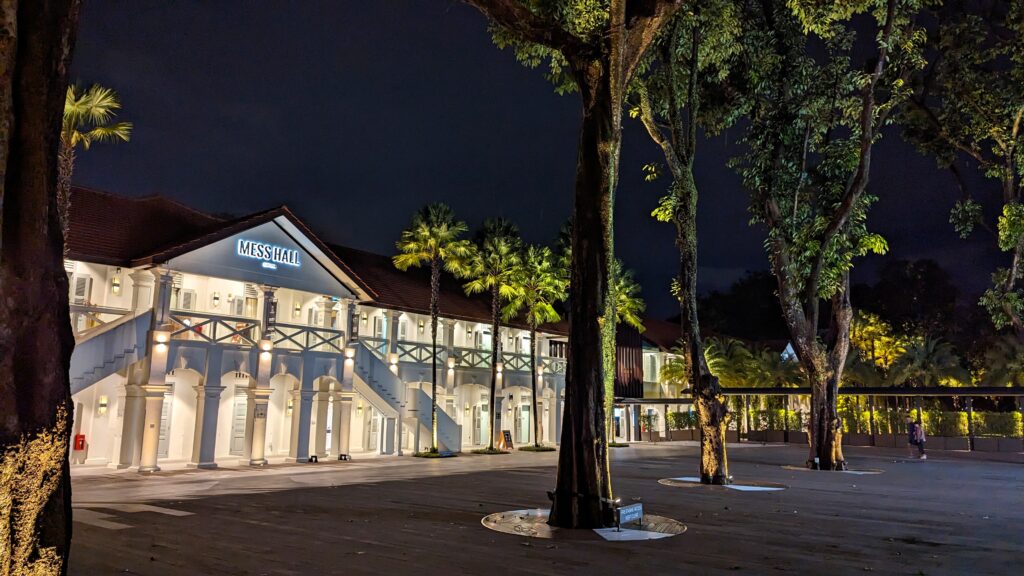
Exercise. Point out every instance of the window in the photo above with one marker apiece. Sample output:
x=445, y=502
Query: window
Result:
x=402, y=330
x=187, y=299
x=81, y=289
x=379, y=324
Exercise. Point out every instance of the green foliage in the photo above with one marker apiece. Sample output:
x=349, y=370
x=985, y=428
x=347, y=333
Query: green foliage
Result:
x=1005, y=424
x=944, y=423
x=964, y=216
x=929, y=362
x=86, y=116
x=1004, y=301
x=537, y=284
x=625, y=294
x=969, y=105
x=776, y=419
x=804, y=146
x=683, y=420
x=1004, y=362
x=649, y=421
x=493, y=264
x=675, y=372
x=433, y=238
x=1011, y=226
x=584, y=19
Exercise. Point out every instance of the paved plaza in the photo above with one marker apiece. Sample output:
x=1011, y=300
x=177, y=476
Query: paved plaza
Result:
x=946, y=515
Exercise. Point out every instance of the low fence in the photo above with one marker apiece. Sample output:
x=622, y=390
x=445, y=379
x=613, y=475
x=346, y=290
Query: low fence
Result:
x=875, y=419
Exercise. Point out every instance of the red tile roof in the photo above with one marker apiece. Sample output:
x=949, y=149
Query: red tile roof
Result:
x=110, y=229
x=121, y=231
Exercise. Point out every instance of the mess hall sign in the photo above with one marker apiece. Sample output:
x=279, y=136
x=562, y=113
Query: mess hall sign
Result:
x=269, y=255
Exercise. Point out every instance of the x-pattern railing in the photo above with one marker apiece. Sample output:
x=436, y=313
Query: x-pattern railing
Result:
x=473, y=358
x=415, y=352
x=516, y=362
x=379, y=346
x=199, y=326
x=307, y=338
x=86, y=318
x=554, y=365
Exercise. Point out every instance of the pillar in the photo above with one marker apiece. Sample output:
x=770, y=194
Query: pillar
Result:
x=319, y=424
x=142, y=290
x=302, y=404
x=389, y=432
x=392, y=335
x=259, y=400
x=352, y=320
x=339, y=418
x=155, y=385
x=208, y=394
x=132, y=424
x=258, y=397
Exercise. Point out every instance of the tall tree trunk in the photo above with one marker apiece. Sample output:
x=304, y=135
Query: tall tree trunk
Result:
x=65, y=168
x=582, y=494
x=711, y=409
x=36, y=40
x=435, y=294
x=495, y=343
x=533, y=383
x=824, y=367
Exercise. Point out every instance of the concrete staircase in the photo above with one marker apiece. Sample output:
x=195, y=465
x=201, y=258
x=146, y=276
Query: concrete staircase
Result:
x=386, y=392
x=109, y=349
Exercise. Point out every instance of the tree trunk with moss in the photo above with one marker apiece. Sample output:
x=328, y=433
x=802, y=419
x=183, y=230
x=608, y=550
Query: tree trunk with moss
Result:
x=36, y=40
x=583, y=485
x=495, y=344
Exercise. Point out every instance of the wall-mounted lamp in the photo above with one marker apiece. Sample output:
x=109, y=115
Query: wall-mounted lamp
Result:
x=501, y=367
x=297, y=311
x=350, y=352
x=451, y=362
x=231, y=297
x=393, y=359
x=215, y=300
x=421, y=327
x=161, y=338
x=364, y=318
x=103, y=404
x=291, y=405
x=540, y=368
x=467, y=407
x=265, y=347
x=359, y=409
x=115, y=285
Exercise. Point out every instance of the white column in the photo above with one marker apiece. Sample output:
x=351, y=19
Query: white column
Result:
x=155, y=388
x=345, y=429
x=319, y=424
x=132, y=424
x=259, y=399
x=302, y=405
x=142, y=290
x=336, y=420
x=204, y=445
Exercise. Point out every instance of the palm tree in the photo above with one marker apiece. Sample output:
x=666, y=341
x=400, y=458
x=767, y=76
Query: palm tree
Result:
x=769, y=368
x=1004, y=362
x=537, y=285
x=927, y=362
x=87, y=114
x=730, y=361
x=491, y=269
x=433, y=239
x=625, y=294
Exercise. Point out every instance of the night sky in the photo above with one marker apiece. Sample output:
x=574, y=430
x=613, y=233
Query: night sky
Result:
x=356, y=113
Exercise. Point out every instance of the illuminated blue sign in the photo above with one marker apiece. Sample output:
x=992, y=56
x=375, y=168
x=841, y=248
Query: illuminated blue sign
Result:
x=268, y=254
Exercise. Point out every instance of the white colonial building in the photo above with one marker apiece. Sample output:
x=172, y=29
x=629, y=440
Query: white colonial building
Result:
x=205, y=341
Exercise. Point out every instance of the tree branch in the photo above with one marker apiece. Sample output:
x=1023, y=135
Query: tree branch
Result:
x=517, y=17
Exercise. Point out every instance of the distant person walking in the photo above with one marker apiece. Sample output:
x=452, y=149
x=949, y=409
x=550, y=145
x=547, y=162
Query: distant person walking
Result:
x=915, y=437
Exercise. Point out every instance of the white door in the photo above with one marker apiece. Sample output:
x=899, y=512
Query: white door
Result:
x=238, y=425
x=165, y=424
